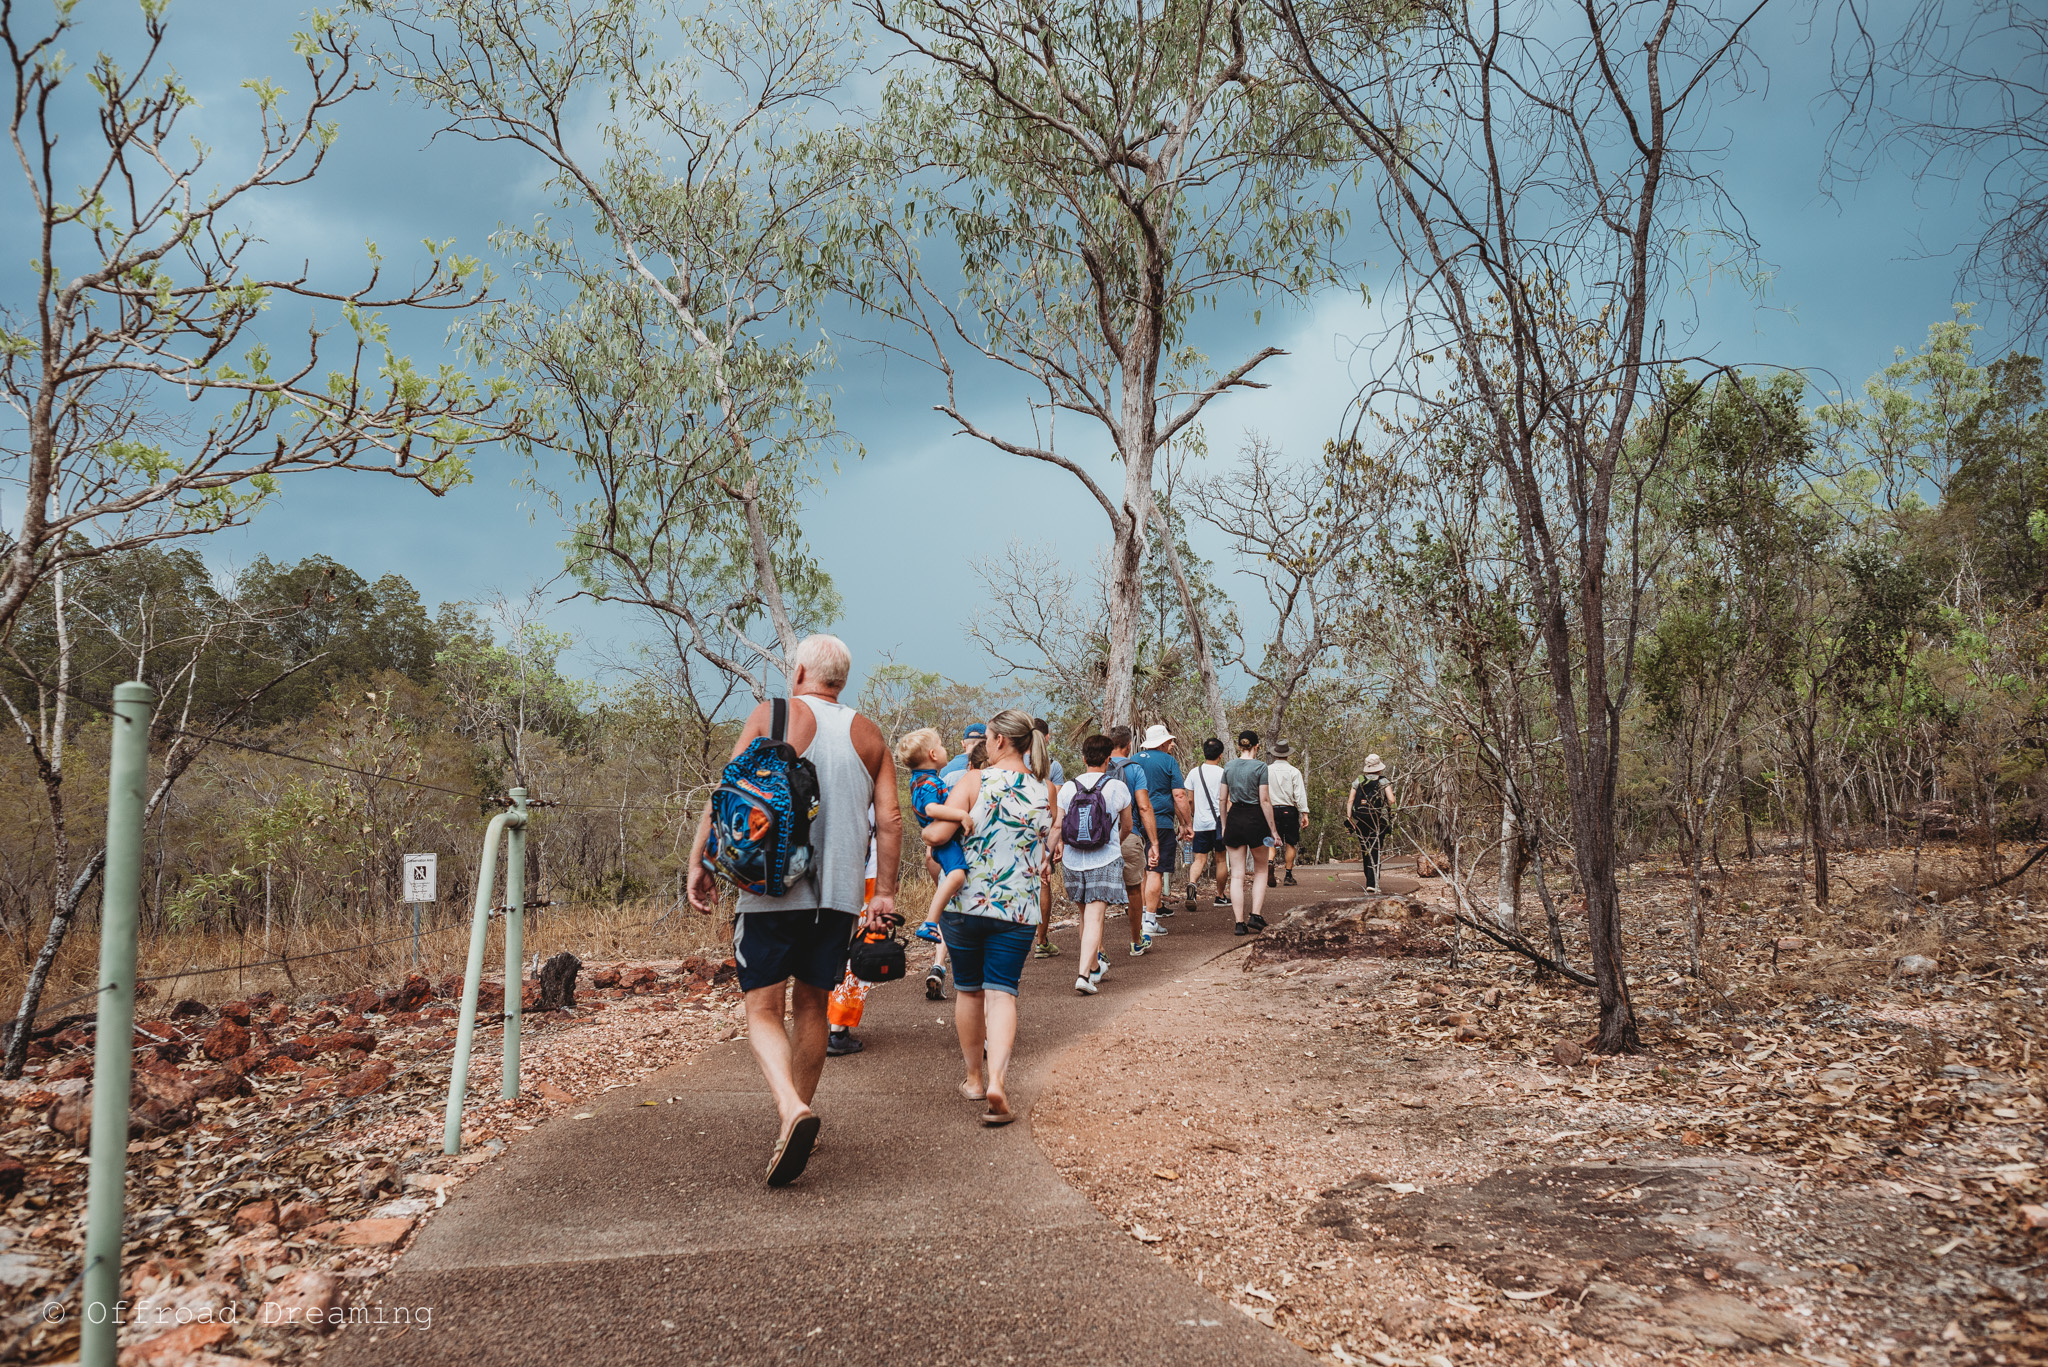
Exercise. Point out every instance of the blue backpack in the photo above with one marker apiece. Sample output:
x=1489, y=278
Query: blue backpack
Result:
x=762, y=812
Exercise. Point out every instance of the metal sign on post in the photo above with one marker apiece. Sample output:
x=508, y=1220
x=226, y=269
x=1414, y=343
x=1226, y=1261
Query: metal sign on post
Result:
x=422, y=884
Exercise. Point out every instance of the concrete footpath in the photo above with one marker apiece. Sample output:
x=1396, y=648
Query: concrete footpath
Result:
x=646, y=1234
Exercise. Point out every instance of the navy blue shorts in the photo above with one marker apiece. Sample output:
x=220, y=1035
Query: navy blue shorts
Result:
x=988, y=954
x=1162, y=857
x=1208, y=842
x=771, y=947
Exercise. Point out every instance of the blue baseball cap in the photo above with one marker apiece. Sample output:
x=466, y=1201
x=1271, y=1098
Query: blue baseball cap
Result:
x=975, y=731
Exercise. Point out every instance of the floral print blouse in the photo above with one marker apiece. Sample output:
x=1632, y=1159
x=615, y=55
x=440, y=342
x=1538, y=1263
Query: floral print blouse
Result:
x=1011, y=821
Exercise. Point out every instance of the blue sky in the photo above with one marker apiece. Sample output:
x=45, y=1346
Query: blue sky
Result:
x=1854, y=275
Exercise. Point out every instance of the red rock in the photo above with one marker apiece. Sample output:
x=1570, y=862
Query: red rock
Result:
x=237, y=1012
x=13, y=1177
x=255, y=1213
x=353, y=1023
x=302, y=1300
x=175, y=1348
x=375, y=1233
x=229, y=1039
x=451, y=985
x=72, y=1037
x=728, y=972
x=280, y=1063
x=79, y=1065
x=301, y=1215
x=605, y=977
x=1567, y=1054
x=279, y=1014
x=321, y=1019
x=300, y=1049
x=188, y=1008
x=373, y=1077
x=363, y=1000
x=410, y=995
x=1469, y=1032
x=220, y=1085
x=636, y=979
x=325, y=1229
x=339, y=1041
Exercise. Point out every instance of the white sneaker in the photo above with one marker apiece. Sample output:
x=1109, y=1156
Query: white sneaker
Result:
x=1101, y=969
x=1152, y=926
x=1085, y=986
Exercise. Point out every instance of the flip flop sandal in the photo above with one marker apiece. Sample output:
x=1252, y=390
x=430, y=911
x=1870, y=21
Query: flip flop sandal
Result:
x=970, y=1094
x=793, y=1151
x=995, y=1119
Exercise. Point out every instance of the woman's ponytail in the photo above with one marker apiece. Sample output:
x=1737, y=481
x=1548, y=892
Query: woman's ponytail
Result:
x=1015, y=727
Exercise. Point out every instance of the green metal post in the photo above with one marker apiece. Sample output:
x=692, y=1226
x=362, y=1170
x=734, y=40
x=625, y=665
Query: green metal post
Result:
x=472, y=980
x=113, y=1043
x=515, y=939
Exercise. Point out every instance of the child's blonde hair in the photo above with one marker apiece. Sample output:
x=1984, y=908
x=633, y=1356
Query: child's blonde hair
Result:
x=915, y=745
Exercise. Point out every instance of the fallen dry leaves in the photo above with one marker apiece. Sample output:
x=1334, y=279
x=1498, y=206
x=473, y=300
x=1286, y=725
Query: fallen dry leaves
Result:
x=286, y=1172
x=1394, y=1159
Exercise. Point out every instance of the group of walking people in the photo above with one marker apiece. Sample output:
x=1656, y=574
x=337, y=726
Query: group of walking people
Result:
x=998, y=821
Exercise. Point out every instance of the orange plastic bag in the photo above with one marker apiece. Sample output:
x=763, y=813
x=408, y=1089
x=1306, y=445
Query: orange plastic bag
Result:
x=848, y=1001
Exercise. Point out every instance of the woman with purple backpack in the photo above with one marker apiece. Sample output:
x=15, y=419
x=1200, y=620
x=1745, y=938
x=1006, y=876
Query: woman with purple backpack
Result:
x=1096, y=816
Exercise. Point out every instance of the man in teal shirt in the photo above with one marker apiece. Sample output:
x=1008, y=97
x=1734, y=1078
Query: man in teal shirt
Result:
x=1172, y=811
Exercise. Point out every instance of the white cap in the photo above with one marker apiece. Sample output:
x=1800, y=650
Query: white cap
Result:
x=1156, y=735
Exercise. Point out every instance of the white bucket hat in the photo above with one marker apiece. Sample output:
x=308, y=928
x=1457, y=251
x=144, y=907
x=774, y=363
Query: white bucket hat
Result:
x=1156, y=735
x=1373, y=765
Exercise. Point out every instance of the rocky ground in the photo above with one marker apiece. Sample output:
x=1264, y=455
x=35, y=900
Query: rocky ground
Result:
x=284, y=1151
x=1829, y=1151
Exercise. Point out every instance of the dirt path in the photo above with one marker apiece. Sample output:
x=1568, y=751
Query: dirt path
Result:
x=1312, y=1141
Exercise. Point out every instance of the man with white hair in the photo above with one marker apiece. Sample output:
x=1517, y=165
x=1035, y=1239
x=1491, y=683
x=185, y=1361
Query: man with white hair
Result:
x=804, y=934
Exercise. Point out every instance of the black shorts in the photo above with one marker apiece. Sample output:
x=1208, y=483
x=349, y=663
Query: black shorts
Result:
x=1288, y=819
x=1245, y=825
x=771, y=947
x=1208, y=842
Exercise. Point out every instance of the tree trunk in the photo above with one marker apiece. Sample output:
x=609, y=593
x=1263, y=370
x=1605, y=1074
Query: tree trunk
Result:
x=61, y=917
x=1816, y=811
x=1509, y=897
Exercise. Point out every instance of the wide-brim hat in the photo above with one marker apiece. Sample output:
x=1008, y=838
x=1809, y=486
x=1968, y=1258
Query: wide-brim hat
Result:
x=1156, y=735
x=1281, y=749
x=1373, y=765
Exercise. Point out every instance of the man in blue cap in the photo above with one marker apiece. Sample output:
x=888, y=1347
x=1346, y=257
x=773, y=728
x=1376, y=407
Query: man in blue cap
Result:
x=975, y=734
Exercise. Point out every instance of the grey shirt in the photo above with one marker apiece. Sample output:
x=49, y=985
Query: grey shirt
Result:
x=1243, y=777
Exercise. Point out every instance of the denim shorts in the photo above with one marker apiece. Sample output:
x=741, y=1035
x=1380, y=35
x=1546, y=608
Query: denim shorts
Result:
x=987, y=953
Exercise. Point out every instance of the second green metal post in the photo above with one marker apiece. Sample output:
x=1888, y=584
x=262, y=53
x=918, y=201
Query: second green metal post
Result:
x=114, y=1040
x=515, y=937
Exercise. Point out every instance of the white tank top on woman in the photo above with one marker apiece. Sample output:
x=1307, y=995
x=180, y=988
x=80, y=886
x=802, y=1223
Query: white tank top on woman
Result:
x=845, y=824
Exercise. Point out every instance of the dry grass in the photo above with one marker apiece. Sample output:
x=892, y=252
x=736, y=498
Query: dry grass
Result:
x=594, y=932
x=599, y=932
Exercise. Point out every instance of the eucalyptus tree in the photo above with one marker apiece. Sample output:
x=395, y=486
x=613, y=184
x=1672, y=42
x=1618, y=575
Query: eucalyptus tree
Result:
x=1102, y=171
x=666, y=333
x=1542, y=179
x=160, y=379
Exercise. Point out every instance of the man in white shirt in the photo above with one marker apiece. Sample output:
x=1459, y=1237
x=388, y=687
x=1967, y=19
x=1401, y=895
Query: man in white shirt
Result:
x=1204, y=785
x=1290, y=805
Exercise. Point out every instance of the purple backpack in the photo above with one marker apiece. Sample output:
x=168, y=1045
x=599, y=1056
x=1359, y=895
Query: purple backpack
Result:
x=1088, y=822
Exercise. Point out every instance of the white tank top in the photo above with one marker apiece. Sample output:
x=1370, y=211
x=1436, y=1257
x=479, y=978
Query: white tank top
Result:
x=845, y=824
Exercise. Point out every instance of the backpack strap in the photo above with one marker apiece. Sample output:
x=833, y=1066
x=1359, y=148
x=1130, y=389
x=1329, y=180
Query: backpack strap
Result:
x=1208, y=798
x=778, y=723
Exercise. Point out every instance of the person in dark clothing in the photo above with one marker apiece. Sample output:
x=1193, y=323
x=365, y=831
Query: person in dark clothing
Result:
x=1370, y=815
